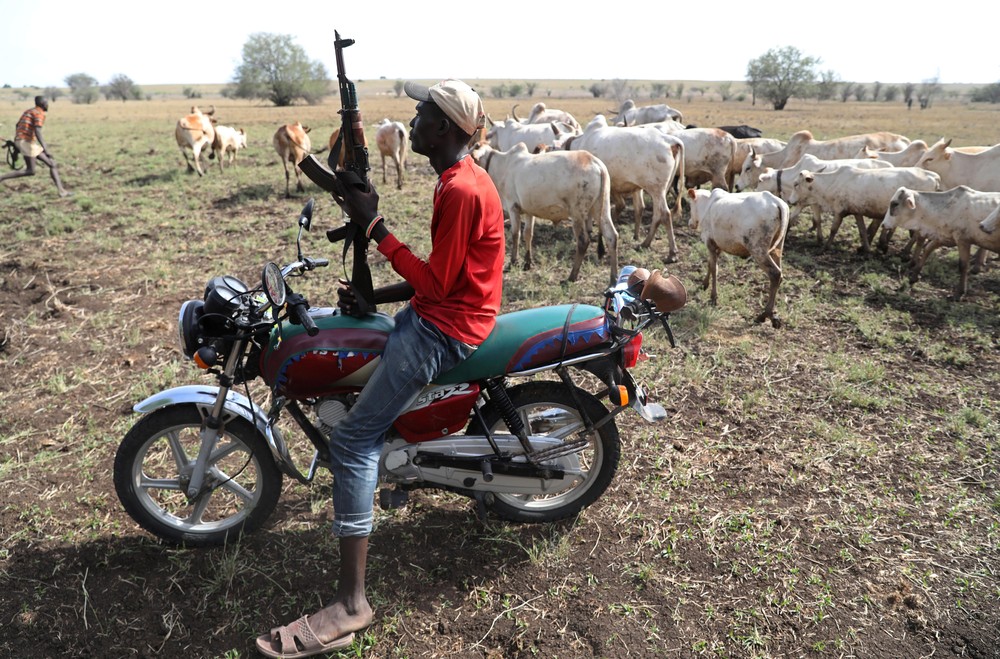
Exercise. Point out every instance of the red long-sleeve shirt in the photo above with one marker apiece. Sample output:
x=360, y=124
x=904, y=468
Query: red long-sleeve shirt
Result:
x=459, y=286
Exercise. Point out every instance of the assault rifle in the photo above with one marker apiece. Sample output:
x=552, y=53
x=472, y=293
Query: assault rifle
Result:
x=354, y=172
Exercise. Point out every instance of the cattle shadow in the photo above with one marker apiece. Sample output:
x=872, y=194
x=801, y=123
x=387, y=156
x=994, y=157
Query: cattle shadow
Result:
x=245, y=194
x=152, y=179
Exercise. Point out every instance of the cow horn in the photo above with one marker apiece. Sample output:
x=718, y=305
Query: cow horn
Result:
x=212, y=111
x=490, y=119
x=514, y=113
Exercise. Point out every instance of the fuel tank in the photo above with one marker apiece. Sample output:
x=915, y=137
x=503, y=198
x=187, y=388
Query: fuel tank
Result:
x=339, y=358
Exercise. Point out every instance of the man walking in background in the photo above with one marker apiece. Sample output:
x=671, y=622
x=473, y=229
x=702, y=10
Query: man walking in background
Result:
x=31, y=144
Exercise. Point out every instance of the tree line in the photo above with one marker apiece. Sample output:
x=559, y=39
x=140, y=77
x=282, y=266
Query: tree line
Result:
x=276, y=69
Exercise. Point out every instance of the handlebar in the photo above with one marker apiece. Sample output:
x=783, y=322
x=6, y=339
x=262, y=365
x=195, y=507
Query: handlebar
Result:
x=300, y=313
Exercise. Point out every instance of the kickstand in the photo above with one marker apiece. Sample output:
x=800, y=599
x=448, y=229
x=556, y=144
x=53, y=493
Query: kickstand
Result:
x=481, y=510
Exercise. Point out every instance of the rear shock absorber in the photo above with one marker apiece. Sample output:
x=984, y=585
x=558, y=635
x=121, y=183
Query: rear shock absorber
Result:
x=498, y=395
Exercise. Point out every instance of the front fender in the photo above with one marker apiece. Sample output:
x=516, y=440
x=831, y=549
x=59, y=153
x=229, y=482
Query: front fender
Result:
x=236, y=405
x=205, y=396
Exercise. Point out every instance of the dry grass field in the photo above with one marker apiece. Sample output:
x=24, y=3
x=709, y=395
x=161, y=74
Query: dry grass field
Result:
x=826, y=489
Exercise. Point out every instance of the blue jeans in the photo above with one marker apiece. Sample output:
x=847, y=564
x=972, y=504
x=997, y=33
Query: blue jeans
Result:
x=415, y=353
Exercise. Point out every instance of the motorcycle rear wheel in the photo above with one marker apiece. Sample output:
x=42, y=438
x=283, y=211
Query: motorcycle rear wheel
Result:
x=153, y=466
x=548, y=408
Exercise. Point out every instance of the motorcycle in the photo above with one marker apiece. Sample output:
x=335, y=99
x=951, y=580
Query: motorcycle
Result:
x=205, y=464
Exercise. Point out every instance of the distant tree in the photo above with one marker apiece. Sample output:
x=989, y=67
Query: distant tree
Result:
x=846, y=91
x=890, y=93
x=515, y=89
x=826, y=88
x=82, y=88
x=876, y=91
x=621, y=90
x=275, y=68
x=598, y=89
x=860, y=92
x=192, y=92
x=782, y=73
x=398, y=88
x=928, y=89
x=530, y=88
x=52, y=93
x=658, y=89
x=725, y=90
x=498, y=91
x=908, y=90
x=679, y=90
x=987, y=94
x=121, y=87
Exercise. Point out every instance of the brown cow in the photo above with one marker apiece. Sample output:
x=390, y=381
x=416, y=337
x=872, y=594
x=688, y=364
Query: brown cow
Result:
x=292, y=144
x=194, y=132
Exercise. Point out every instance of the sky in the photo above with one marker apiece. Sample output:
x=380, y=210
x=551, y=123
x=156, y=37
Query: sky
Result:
x=155, y=42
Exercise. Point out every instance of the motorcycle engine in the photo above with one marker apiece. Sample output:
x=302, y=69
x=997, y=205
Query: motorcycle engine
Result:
x=330, y=412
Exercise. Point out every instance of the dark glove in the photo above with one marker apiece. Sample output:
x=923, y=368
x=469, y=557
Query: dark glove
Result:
x=360, y=205
x=294, y=300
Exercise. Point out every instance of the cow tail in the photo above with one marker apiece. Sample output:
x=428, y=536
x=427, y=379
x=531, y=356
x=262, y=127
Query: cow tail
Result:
x=778, y=245
x=678, y=151
x=402, y=146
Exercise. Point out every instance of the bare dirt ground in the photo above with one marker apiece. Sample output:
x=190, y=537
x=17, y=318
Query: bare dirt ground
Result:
x=829, y=489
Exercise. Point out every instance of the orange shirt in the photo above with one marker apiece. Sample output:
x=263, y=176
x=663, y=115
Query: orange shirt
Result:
x=30, y=121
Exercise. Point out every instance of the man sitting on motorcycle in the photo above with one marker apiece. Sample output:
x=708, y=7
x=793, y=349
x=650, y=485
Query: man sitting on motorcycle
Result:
x=454, y=297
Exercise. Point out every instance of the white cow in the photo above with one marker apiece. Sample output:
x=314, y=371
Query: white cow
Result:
x=749, y=224
x=228, y=141
x=779, y=181
x=557, y=186
x=744, y=147
x=959, y=217
x=193, y=133
x=502, y=135
x=391, y=138
x=980, y=171
x=708, y=155
x=630, y=115
x=638, y=158
x=803, y=142
x=543, y=115
x=908, y=157
x=858, y=192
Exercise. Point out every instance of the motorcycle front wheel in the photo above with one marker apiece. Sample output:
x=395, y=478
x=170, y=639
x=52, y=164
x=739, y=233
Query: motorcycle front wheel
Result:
x=153, y=468
x=549, y=408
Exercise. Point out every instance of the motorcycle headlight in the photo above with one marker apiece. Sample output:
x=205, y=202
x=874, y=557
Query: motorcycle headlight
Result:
x=188, y=329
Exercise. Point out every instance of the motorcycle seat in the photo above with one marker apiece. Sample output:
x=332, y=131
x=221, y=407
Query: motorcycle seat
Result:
x=532, y=338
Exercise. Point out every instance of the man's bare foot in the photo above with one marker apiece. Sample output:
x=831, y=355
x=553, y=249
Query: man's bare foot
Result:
x=340, y=618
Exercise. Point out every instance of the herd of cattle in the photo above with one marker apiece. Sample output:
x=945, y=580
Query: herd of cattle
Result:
x=549, y=166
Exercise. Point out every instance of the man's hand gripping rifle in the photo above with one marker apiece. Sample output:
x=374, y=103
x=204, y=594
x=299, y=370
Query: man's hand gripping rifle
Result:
x=354, y=173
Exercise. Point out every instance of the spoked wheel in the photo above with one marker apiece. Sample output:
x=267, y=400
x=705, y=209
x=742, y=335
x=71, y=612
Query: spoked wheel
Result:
x=153, y=468
x=548, y=408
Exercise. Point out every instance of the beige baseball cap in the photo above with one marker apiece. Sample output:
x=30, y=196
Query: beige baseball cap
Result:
x=458, y=100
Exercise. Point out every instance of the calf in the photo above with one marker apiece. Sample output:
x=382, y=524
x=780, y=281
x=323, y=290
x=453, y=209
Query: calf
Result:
x=292, y=143
x=858, y=192
x=960, y=217
x=638, y=158
x=557, y=186
x=391, y=139
x=227, y=142
x=193, y=133
x=749, y=224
